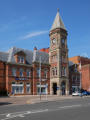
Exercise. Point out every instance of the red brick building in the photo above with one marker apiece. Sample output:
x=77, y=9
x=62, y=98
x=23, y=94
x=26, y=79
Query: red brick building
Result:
x=84, y=70
x=45, y=50
x=86, y=77
x=20, y=70
x=74, y=78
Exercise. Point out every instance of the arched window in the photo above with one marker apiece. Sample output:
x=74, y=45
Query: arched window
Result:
x=14, y=71
x=55, y=70
x=38, y=72
x=21, y=72
x=63, y=71
x=45, y=73
x=28, y=73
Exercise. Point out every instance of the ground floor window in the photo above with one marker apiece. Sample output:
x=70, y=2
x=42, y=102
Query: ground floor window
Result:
x=17, y=88
x=28, y=88
x=75, y=88
x=42, y=88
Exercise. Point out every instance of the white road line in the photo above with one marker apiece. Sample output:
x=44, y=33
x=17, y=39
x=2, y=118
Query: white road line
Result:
x=23, y=113
x=64, y=107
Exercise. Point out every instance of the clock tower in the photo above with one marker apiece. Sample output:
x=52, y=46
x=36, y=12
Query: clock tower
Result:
x=58, y=58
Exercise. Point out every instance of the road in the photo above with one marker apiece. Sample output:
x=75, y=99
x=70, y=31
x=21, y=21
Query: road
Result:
x=70, y=109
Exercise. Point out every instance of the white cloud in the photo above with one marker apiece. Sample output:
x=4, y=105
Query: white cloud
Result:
x=34, y=34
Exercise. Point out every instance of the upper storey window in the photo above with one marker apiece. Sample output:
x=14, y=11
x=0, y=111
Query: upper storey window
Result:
x=63, y=71
x=63, y=42
x=20, y=59
x=45, y=73
x=21, y=72
x=64, y=59
x=28, y=73
x=54, y=71
x=14, y=71
x=38, y=72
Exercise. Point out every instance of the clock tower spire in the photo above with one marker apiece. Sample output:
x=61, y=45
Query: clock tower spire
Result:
x=58, y=57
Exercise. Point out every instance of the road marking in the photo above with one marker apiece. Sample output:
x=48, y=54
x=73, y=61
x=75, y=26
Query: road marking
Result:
x=64, y=107
x=21, y=114
x=7, y=116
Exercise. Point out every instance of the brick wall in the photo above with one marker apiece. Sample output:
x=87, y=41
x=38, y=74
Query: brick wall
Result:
x=2, y=76
x=86, y=77
x=6, y=77
x=10, y=78
x=36, y=79
x=78, y=59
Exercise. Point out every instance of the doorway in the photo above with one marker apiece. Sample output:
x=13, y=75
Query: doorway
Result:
x=54, y=88
x=63, y=88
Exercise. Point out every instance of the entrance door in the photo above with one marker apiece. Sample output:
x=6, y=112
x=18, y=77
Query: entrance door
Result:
x=63, y=88
x=54, y=88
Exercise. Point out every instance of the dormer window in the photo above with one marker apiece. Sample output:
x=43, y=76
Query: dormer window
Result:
x=20, y=59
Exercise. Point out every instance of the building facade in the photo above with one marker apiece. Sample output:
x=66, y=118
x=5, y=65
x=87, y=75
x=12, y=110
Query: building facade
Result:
x=74, y=78
x=20, y=72
x=85, y=75
x=83, y=70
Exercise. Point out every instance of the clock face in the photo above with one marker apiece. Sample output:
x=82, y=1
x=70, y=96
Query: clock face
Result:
x=54, y=41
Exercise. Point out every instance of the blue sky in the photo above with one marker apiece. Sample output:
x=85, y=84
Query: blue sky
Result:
x=26, y=23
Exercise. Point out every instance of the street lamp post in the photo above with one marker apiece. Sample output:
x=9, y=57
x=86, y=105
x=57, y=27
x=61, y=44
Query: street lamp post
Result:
x=40, y=76
x=80, y=78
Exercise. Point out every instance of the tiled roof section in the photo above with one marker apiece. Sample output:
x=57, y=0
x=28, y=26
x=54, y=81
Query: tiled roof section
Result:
x=30, y=56
x=44, y=57
x=4, y=56
x=58, y=23
x=14, y=50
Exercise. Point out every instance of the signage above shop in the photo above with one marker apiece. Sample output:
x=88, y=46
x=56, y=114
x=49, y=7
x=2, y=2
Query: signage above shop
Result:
x=21, y=78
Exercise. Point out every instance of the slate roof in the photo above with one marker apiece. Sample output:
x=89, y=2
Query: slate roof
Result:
x=4, y=56
x=58, y=23
x=31, y=56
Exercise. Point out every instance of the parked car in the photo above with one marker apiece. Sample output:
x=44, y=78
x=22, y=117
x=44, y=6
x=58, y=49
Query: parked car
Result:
x=88, y=92
x=76, y=93
x=85, y=93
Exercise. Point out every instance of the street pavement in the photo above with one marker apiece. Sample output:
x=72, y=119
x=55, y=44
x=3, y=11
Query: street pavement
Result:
x=65, y=109
x=30, y=99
